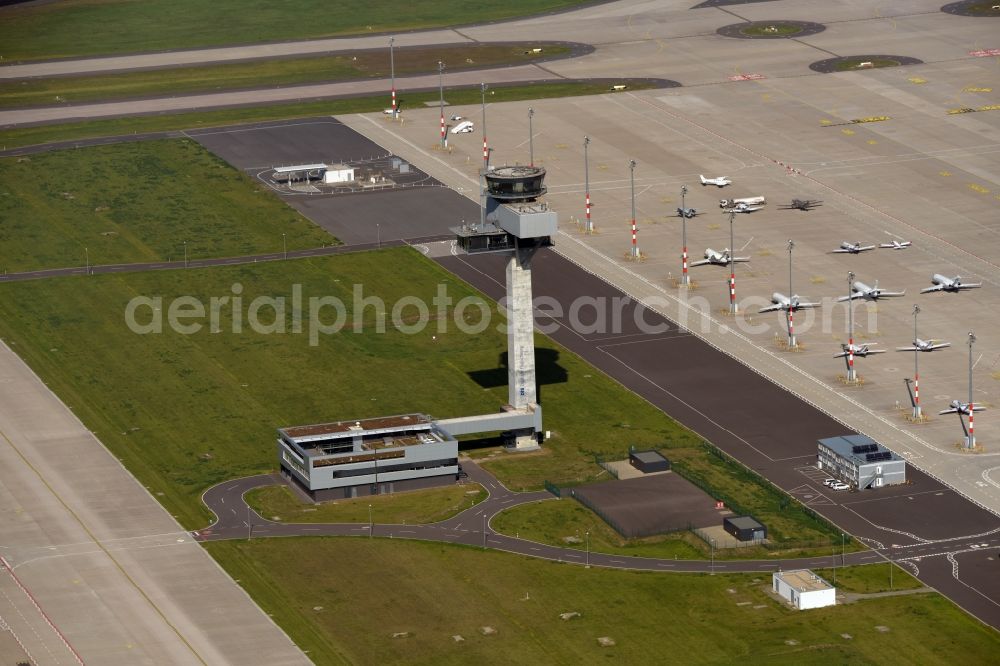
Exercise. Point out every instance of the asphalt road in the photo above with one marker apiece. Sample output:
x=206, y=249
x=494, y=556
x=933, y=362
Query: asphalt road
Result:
x=236, y=520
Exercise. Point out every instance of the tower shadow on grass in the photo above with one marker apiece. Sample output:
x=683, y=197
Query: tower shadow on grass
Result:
x=547, y=371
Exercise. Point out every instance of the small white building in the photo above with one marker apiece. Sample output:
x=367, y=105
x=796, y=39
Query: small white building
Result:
x=338, y=173
x=803, y=589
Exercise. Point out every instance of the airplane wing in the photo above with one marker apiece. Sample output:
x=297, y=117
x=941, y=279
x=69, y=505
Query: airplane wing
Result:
x=840, y=250
x=738, y=260
x=854, y=295
x=937, y=287
x=801, y=306
x=701, y=262
x=749, y=209
x=865, y=248
x=892, y=294
x=952, y=410
x=874, y=351
x=972, y=285
x=906, y=349
x=840, y=355
x=770, y=308
x=939, y=345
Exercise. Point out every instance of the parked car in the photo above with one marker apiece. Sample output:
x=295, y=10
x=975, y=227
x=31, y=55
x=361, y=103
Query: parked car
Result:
x=829, y=481
x=840, y=486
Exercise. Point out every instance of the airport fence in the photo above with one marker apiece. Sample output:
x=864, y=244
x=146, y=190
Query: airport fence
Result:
x=605, y=465
x=553, y=488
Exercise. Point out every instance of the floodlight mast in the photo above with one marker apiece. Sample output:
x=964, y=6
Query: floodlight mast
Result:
x=635, y=242
x=531, y=138
x=851, y=376
x=685, y=279
x=792, y=344
x=486, y=153
x=971, y=439
x=392, y=76
x=733, y=308
x=589, y=228
x=916, y=368
x=444, y=134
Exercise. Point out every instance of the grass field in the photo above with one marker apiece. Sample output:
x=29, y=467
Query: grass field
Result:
x=41, y=134
x=870, y=579
x=93, y=27
x=554, y=521
x=419, y=506
x=433, y=592
x=264, y=73
x=135, y=202
x=231, y=390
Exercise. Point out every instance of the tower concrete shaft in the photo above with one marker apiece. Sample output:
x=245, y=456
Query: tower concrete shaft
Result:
x=521, y=378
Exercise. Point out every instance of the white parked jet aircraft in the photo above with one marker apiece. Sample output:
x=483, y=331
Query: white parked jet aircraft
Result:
x=959, y=407
x=853, y=248
x=742, y=208
x=719, y=258
x=896, y=245
x=861, y=290
x=783, y=303
x=721, y=181
x=925, y=345
x=955, y=284
x=858, y=350
x=463, y=127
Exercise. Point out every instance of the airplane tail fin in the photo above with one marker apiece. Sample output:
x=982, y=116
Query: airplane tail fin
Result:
x=703, y=181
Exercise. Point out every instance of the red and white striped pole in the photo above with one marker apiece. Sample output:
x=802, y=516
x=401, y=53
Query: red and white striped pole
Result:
x=392, y=75
x=684, y=265
x=444, y=138
x=972, y=427
x=916, y=393
x=732, y=292
x=685, y=281
x=791, y=327
x=586, y=182
x=635, y=240
x=733, y=309
x=851, y=378
x=486, y=152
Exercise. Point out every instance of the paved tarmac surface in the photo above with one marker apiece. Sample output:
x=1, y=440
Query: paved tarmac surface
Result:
x=92, y=569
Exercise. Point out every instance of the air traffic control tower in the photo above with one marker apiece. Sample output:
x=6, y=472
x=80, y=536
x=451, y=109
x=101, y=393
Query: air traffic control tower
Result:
x=515, y=221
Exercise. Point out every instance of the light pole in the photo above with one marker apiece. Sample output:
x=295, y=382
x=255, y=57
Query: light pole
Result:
x=444, y=135
x=851, y=376
x=486, y=155
x=531, y=139
x=484, y=530
x=843, y=541
x=792, y=344
x=378, y=235
x=712, y=569
x=284, y=246
x=392, y=75
x=588, y=548
x=970, y=441
x=589, y=228
x=371, y=525
x=635, y=243
x=185, y=254
x=685, y=280
x=249, y=524
x=86, y=255
x=733, y=308
x=916, y=367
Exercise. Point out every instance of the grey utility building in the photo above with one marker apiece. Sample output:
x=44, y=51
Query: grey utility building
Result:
x=648, y=461
x=861, y=462
x=368, y=457
x=745, y=528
